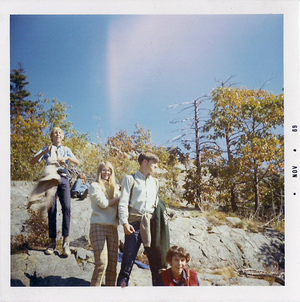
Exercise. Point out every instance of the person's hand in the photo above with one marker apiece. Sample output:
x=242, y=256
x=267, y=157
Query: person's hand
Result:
x=113, y=201
x=48, y=149
x=128, y=229
x=62, y=160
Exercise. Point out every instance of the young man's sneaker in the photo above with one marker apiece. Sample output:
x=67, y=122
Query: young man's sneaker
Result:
x=50, y=249
x=66, y=249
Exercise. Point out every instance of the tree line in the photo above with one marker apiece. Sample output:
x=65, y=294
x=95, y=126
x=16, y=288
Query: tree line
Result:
x=234, y=157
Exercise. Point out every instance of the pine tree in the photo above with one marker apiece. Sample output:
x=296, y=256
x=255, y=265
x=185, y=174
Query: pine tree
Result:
x=19, y=102
x=26, y=126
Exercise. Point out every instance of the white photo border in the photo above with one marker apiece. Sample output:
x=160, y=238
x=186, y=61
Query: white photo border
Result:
x=289, y=292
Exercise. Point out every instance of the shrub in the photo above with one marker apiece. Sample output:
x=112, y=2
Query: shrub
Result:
x=37, y=236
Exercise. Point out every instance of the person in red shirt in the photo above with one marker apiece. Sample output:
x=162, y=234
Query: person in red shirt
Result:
x=177, y=274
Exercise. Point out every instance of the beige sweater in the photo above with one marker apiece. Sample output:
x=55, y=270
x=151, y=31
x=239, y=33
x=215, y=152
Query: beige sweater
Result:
x=102, y=212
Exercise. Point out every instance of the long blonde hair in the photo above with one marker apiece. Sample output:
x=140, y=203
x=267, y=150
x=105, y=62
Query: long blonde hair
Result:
x=112, y=180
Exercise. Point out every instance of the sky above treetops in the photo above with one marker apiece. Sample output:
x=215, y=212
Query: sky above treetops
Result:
x=116, y=71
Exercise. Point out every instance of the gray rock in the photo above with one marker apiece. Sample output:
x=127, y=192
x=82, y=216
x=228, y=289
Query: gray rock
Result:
x=18, y=269
x=250, y=282
x=212, y=247
x=83, y=254
x=214, y=280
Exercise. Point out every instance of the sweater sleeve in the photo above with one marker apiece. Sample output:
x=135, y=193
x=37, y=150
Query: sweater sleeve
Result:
x=97, y=195
x=124, y=199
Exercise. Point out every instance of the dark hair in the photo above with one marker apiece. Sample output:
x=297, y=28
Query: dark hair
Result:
x=176, y=250
x=148, y=155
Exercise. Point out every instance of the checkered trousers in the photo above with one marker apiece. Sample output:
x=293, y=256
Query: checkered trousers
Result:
x=104, y=240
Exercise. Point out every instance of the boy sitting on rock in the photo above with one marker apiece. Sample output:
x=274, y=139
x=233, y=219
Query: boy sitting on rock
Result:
x=177, y=274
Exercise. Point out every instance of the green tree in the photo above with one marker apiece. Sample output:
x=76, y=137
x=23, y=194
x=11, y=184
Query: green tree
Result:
x=142, y=138
x=226, y=125
x=193, y=140
x=57, y=116
x=121, y=152
x=261, y=149
x=20, y=105
x=246, y=120
x=26, y=126
x=170, y=170
x=31, y=123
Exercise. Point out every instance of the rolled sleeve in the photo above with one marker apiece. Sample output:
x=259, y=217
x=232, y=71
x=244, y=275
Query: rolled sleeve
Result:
x=42, y=157
x=68, y=152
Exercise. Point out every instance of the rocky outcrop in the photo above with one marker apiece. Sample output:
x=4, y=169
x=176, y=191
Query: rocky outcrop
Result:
x=221, y=254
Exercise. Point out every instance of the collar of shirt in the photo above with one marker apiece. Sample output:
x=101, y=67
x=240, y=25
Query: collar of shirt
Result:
x=141, y=175
x=182, y=281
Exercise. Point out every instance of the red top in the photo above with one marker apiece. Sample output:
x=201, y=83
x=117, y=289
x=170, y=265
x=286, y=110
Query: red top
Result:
x=190, y=278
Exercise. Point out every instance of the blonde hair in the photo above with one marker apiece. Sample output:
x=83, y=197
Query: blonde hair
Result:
x=112, y=181
x=82, y=176
x=56, y=129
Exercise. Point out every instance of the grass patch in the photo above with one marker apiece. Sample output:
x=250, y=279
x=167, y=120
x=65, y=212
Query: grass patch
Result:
x=226, y=273
x=279, y=226
x=196, y=214
x=218, y=218
x=173, y=204
x=240, y=225
x=215, y=218
x=252, y=225
x=37, y=236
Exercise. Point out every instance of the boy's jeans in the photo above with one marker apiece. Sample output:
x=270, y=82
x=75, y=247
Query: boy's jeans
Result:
x=131, y=248
x=63, y=193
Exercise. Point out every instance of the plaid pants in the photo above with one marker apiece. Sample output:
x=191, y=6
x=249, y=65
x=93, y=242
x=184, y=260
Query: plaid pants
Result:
x=104, y=241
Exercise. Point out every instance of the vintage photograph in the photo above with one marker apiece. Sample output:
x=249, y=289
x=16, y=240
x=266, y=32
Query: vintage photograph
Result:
x=150, y=148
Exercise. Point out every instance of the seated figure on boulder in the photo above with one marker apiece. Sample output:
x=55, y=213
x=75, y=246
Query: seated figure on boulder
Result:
x=177, y=274
x=80, y=188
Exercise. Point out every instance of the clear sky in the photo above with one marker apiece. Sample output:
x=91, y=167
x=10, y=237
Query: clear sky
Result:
x=119, y=70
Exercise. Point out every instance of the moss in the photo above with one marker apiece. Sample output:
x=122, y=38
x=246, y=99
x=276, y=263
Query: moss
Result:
x=240, y=225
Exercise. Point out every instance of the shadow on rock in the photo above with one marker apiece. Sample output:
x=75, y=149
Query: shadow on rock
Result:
x=16, y=283
x=56, y=281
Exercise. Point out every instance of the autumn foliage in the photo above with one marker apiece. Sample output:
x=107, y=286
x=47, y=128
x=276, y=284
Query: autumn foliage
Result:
x=237, y=166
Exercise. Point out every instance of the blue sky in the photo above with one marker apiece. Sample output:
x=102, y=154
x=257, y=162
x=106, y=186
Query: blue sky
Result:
x=119, y=70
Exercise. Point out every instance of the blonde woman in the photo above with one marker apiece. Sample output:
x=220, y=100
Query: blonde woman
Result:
x=104, y=221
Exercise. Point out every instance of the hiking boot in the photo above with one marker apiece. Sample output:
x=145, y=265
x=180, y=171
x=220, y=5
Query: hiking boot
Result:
x=66, y=249
x=50, y=249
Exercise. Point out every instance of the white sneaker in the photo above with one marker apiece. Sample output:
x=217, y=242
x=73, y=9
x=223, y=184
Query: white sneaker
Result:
x=50, y=249
x=66, y=249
